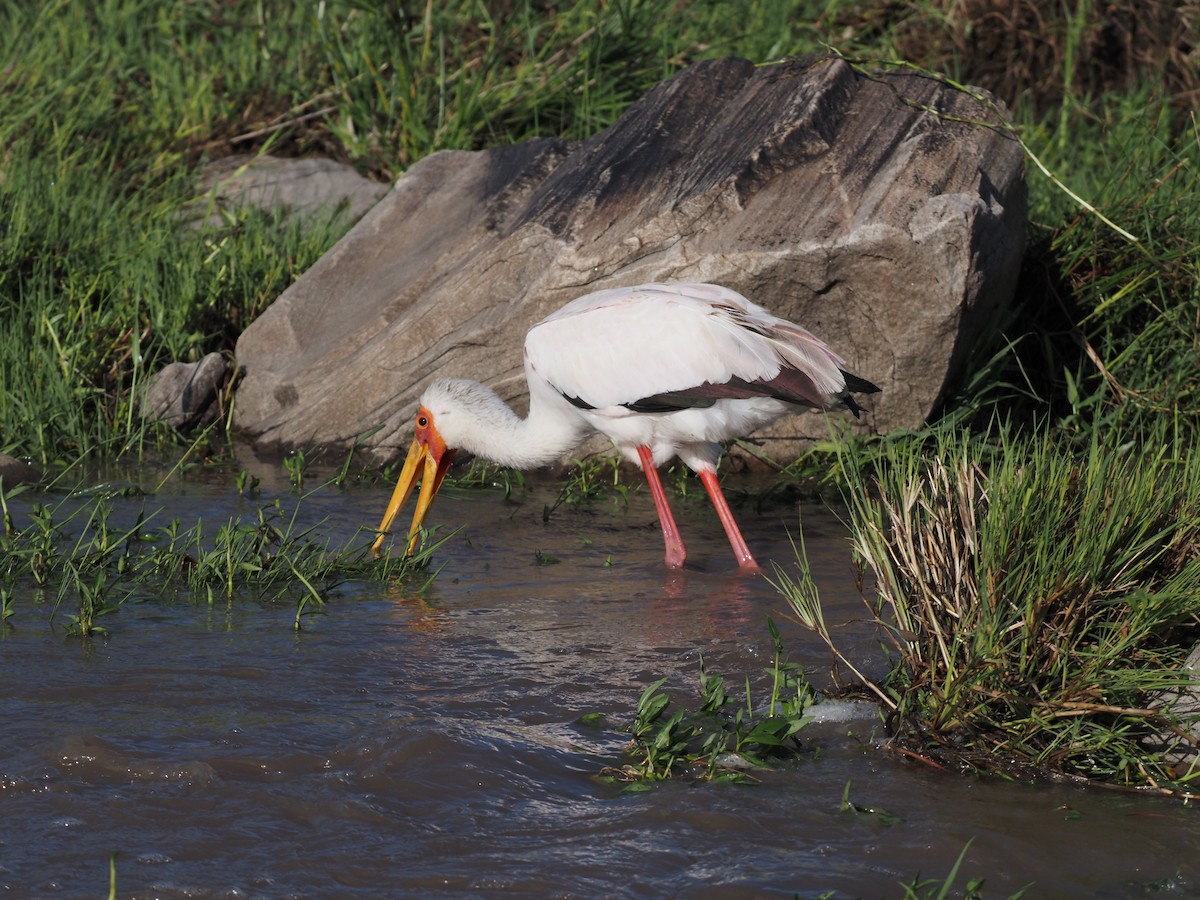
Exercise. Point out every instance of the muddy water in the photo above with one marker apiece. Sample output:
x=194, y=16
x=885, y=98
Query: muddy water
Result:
x=415, y=744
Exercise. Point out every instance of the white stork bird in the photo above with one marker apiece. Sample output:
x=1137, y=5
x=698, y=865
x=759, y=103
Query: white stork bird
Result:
x=662, y=369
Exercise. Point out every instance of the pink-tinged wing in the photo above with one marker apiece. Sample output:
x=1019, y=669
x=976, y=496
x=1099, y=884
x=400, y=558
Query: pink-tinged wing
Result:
x=658, y=347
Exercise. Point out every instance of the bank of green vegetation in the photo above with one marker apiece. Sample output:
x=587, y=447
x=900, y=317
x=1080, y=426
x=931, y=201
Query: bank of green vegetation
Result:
x=1034, y=549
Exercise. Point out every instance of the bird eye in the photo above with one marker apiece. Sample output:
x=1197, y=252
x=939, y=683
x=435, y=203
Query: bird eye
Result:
x=422, y=422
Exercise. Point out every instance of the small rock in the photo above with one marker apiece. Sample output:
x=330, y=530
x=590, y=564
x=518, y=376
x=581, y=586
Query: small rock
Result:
x=1182, y=704
x=306, y=187
x=14, y=471
x=184, y=395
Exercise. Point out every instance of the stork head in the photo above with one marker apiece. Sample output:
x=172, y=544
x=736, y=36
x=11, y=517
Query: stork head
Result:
x=428, y=461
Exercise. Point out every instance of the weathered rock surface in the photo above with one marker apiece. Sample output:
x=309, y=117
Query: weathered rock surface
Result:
x=185, y=395
x=870, y=210
x=303, y=187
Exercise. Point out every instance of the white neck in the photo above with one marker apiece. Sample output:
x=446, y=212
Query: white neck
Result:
x=471, y=417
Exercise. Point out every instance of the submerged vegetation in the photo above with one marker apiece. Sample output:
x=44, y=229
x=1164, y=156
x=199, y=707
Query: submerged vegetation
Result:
x=1030, y=553
x=727, y=737
x=85, y=556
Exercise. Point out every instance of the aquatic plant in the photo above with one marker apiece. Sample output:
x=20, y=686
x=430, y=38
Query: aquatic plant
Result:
x=590, y=478
x=94, y=601
x=726, y=737
x=939, y=888
x=93, y=562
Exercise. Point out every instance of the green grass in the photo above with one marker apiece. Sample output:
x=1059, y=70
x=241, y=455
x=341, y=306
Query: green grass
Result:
x=108, y=110
x=1110, y=327
x=1033, y=596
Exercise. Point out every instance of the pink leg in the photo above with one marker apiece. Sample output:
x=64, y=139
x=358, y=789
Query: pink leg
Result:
x=675, y=552
x=740, y=550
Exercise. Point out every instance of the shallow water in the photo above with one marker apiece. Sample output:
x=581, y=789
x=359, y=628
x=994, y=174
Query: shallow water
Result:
x=424, y=743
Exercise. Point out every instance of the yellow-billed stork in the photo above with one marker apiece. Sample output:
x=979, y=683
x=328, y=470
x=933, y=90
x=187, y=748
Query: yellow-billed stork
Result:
x=663, y=370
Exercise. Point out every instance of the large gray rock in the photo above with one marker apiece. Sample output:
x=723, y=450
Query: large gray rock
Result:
x=842, y=202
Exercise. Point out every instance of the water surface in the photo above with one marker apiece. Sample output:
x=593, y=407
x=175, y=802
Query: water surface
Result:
x=429, y=742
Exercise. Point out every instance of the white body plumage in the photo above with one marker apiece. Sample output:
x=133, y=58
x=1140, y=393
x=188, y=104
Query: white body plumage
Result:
x=661, y=369
x=669, y=339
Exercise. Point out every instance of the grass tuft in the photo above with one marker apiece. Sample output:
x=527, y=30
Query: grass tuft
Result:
x=1035, y=599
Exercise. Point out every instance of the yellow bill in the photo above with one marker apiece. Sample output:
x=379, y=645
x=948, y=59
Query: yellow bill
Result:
x=428, y=461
